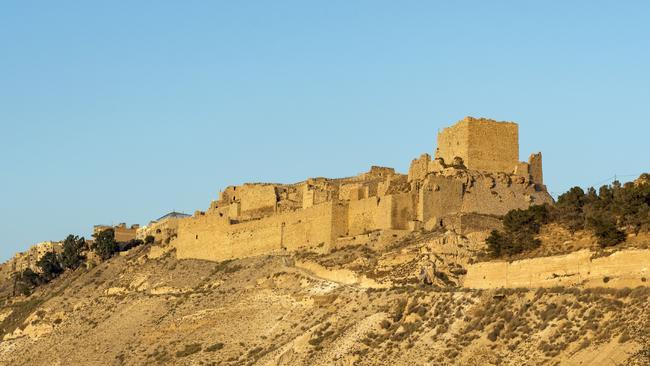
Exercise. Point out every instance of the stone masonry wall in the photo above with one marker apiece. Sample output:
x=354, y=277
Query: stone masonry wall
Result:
x=625, y=268
x=483, y=144
x=122, y=232
x=535, y=162
x=214, y=238
x=362, y=215
x=493, y=146
x=402, y=210
x=439, y=196
x=454, y=141
x=500, y=193
x=379, y=213
x=257, y=197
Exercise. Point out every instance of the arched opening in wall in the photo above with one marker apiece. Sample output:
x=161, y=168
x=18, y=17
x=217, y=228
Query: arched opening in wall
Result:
x=158, y=231
x=197, y=237
x=378, y=200
x=220, y=214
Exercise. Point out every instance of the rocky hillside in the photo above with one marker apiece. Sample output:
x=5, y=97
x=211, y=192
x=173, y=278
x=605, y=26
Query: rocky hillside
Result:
x=364, y=305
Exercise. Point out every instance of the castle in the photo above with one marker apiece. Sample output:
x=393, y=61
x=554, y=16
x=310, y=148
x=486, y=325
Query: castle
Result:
x=476, y=172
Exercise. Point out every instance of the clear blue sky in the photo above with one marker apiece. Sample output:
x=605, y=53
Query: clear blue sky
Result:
x=124, y=110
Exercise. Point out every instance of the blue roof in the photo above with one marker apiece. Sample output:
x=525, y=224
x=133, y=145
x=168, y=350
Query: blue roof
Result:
x=174, y=215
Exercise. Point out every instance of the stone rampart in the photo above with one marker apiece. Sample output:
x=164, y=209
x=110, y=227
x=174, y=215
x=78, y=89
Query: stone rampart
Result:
x=625, y=268
x=439, y=196
x=215, y=238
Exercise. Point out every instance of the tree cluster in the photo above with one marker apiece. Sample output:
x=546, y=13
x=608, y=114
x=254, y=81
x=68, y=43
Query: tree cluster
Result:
x=520, y=229
x=105, y=245
x=610, y=213
x=52, y=265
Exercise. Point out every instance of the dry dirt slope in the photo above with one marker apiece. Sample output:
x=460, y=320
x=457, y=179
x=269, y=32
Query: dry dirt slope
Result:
x=133, y=310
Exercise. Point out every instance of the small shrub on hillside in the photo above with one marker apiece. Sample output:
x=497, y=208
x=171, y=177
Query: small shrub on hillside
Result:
x=233, y=268
x=624, y=337
x=568, y=210
x=530, y=219
x=189, y=350
x=605, y=229
x=584, y=344
x=320, y=335
x=215, y=347
x=131, y=244
x=26, y=281
x=398, y=310
x=385, y=324
x=520, y=229
x=30, y=277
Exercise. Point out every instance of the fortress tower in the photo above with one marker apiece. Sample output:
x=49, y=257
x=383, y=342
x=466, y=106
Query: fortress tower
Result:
x=483, y=144
x=487, y=145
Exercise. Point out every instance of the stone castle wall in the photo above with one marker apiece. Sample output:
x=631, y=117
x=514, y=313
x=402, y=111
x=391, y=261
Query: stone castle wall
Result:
x=163, y=231
x=379, y=213
x=493, y=146
x=213, y=237
x=499, y=193
x=439, y=196
x=216, y=237
x=625, y=268
x=258, y=197
x=454, y=141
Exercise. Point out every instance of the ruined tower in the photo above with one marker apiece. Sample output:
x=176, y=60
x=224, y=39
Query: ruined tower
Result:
x=483, y=144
